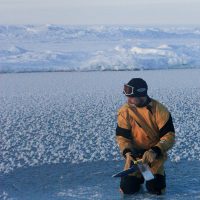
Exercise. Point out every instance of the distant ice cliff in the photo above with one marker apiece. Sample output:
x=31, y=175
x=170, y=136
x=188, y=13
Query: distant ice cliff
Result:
x=97, y=48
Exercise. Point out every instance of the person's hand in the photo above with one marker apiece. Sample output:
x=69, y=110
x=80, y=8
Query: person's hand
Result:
x=129, y=160
x=149, y=156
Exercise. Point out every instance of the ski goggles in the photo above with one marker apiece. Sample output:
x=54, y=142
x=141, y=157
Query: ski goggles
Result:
x=131, y=91
x=128, y=90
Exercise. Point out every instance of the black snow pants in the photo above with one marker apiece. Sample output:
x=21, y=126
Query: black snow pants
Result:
x=131, y=184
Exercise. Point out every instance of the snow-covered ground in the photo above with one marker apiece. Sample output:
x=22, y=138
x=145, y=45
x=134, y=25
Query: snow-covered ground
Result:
x=58, y=133
x=97, y=48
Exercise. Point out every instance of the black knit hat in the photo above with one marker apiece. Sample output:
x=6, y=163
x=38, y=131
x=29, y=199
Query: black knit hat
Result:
x=140, y=87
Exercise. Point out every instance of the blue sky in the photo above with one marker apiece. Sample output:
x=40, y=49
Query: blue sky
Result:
x=138, y=12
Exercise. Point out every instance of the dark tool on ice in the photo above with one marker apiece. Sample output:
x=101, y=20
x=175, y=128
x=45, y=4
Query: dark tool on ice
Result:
x=137, y=166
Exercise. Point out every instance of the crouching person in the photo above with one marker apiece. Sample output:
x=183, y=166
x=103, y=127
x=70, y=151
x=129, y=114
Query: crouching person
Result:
x=144, y=131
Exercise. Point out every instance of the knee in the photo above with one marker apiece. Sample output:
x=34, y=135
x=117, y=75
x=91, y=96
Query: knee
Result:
x=157, y=185
x=130, y=184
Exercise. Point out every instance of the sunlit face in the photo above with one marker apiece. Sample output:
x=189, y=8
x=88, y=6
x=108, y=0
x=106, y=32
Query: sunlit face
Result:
x=137, y=101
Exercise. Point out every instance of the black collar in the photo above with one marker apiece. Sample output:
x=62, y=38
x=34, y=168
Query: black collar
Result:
x=146, y=103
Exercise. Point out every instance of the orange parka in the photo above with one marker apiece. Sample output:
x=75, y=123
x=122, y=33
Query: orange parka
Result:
x=131, y=135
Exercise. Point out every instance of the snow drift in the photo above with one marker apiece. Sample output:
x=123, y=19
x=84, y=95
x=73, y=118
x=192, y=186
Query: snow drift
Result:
x=97, y=48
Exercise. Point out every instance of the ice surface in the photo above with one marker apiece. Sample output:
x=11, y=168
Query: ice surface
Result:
x=97, y=48
x=58, y=133
x=90, y=181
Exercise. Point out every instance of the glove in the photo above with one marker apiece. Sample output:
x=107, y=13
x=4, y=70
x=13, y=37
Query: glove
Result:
x=151, y=155
x=129, y=160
